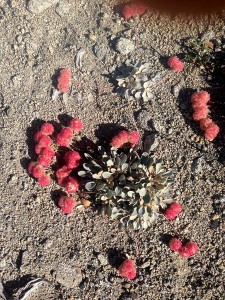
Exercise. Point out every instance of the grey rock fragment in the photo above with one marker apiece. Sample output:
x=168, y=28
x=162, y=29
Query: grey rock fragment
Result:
x=103, y=260
x=68, y=276
x=38, y=6
x=62, y=8
x=125, y=46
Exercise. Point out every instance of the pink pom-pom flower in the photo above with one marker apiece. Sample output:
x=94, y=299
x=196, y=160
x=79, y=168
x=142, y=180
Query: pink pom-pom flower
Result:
x=173, y=211
x=133, y=137
x=133, y=8
x=127, y=269
x=200, y=113
x=205, y=123
x=76, y=125
x=200, y=98
x=38, y=171
x=31, y=167
x=47, y=129
x=43, y=160
x=175, y=244
x=37, y=136
x=189, y=249
x=71, y=185
x=67, y=204
x=64, y=80
x=44, y=141
x=72, y=159
x=175, y=64
x=63, y=172
x=44, y=180
x=211, y=132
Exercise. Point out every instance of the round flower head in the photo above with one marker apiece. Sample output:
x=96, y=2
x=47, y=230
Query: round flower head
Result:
x=38, y=171
x=66, y=133
x=47, y=152
x=201, y=98
x=38, y=149
x=173, y=211
x=61, y=141
x=31, y=167
x=204, y=123
x=47, y=129
x=133, y=137
x=175, y=244
x=44, y=141
x=175, y=64
x=127, y=269
x=43, y=160
x=132, y=9
x=71, y=185
x=72, y=159
x=44, y=180
x=67, y=204
x=76, y=125
x=189, y=249
x=37, y=136
x=200, y=113
x=211, y=132
x=63, y=172
x=116, y=142
x=64, y=80
x=120, y=139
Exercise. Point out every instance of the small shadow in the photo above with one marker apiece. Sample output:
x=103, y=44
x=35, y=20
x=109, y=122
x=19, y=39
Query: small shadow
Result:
x=13, y=286
x=56, y=194
x=54, y=78
x=64, y=119
x=115, y=257
x=165, y=238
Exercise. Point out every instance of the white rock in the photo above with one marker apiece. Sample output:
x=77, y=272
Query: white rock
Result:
x=38, y=6
x=125, y=46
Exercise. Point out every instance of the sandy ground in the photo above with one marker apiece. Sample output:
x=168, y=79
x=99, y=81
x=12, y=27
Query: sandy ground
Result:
x=36, y=239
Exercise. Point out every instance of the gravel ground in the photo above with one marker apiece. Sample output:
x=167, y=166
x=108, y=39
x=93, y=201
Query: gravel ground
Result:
x=79, y=253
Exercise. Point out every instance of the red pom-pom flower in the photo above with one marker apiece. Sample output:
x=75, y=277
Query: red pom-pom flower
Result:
x=72, y=159
x=175, y=244
x=76, y=125
x=127, y=269
x=64, y=80
x=134, y=8
x=173, y=211
x=47, y=129
x=67, y=204
x=189, y=249
x=175, y=64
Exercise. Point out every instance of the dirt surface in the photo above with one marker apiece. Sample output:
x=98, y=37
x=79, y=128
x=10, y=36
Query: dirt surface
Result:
x=36, y=239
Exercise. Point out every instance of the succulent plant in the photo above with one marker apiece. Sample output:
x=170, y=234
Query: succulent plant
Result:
x=136, y=81
x=130, y=187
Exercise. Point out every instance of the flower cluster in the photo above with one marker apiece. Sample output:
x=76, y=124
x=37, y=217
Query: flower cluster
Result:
x=45, y=154
x=199, y=101
x=49, y=151
x=63, y=80
x=133, y=8
x=127, y=269
x=175, y=64
x=125, y=138
x=173, y=211
x=185, y=250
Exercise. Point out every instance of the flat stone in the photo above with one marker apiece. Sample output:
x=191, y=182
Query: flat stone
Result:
x=103, y=260
x=62, y=8
x=125, y=46
x=38, y=6
x=68, y=276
